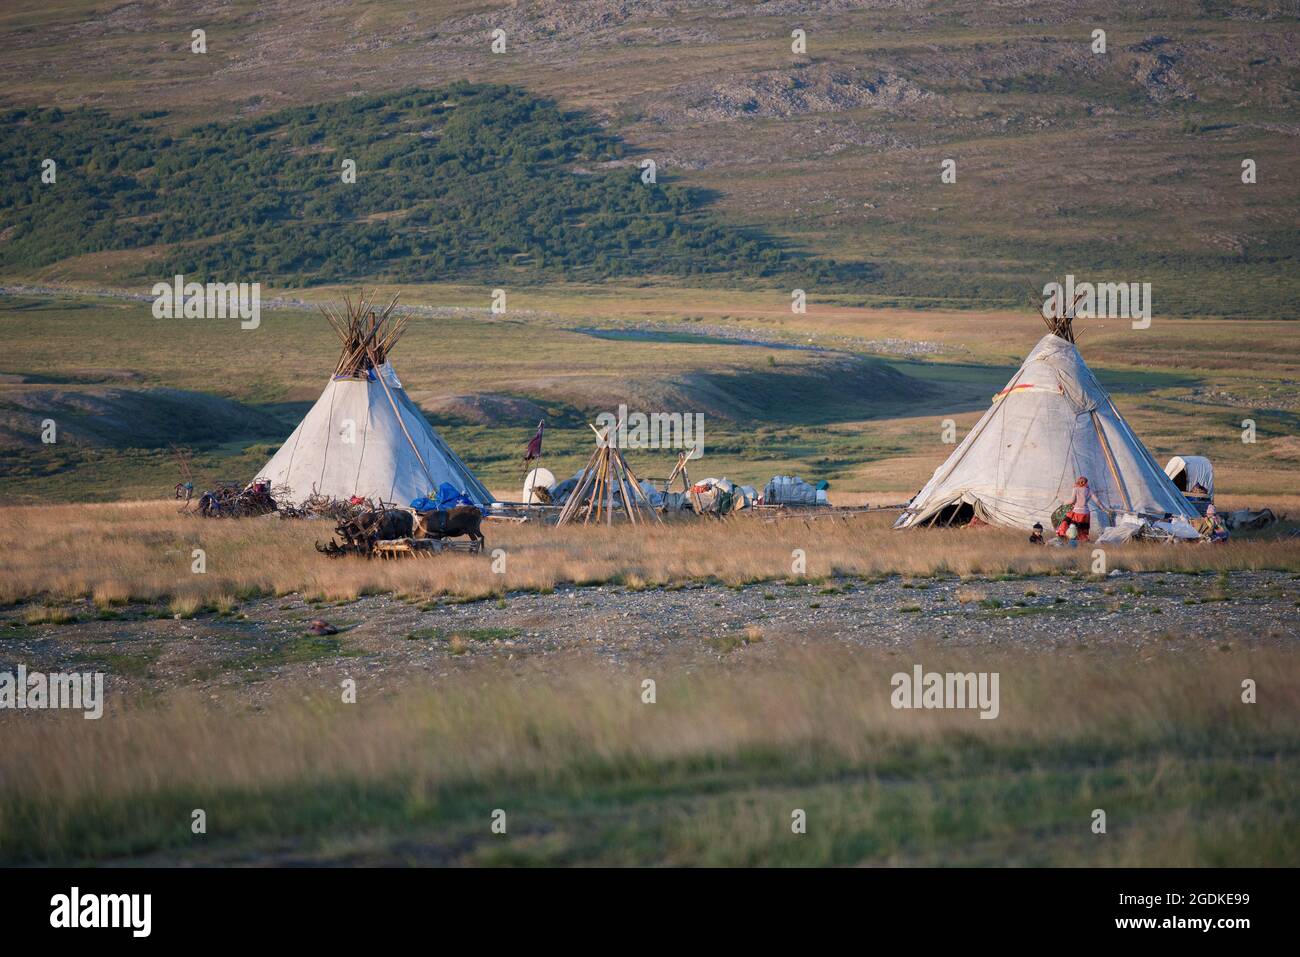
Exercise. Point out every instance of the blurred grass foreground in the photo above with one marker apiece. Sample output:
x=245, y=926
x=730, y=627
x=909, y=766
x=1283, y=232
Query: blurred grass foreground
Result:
x=714, y=772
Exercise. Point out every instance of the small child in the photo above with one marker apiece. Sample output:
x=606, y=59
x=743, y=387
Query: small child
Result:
x=1212, y=527
x=1036, y=536
x=1077, y=519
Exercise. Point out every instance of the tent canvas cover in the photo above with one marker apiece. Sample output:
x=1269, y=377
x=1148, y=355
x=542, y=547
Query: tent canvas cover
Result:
x=1052, y=423
x=364, y=436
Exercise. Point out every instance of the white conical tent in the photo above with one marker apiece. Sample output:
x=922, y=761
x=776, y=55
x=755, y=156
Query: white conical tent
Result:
x=361, y=438
x=1052, y=423
x=364, y=436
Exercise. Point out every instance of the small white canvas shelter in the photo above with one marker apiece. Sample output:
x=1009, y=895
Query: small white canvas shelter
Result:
x=364, y=436
x=1052, y=423
x=1189, y=471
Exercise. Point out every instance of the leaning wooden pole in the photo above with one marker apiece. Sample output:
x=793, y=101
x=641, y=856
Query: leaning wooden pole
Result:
x=593, y=506
x=575, y=497
x=611, y=460
x=636, y=484
x=627, y=489
x=629, y=496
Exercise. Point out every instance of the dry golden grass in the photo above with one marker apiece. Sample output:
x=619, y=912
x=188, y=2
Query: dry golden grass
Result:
x=144, y=551
x=40, y=615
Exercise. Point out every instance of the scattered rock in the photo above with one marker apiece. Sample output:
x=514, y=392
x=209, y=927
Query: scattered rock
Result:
x=802, y=89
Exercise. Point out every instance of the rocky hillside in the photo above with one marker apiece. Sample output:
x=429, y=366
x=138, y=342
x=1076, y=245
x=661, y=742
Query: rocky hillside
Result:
x=1118, y=162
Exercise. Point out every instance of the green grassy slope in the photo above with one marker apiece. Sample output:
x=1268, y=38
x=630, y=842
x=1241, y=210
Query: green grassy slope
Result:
x=123, y=385
x=98, y=362
x=466, y=181
x=1117, y=165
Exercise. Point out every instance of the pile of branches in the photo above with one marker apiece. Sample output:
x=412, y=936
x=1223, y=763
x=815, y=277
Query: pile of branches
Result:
x=366, y=335
x=316, y=505
x=227, y=500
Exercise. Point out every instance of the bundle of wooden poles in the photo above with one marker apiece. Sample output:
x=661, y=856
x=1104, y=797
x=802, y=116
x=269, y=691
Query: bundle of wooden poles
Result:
x=366, y=335
x=1061, y=321
x=605, y=472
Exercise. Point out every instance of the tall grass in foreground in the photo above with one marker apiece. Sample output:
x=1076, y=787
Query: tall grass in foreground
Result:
x=710, y=774
x=143, y=551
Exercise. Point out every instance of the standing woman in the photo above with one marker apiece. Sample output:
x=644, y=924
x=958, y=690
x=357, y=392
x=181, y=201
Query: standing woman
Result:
x=1078, y=509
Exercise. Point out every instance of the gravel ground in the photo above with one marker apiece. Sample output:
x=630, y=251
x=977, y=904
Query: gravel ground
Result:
x=246, y=657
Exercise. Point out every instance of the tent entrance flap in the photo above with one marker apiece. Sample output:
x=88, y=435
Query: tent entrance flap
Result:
x=958, y=513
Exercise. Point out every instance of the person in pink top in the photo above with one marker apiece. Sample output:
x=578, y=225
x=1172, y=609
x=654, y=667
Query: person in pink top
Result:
x=1078, y=513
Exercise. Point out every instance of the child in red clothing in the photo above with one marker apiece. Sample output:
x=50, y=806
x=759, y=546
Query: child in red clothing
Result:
x=1079, y=504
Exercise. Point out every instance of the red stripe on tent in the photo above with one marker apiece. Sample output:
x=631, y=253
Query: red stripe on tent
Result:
x=1014, y=388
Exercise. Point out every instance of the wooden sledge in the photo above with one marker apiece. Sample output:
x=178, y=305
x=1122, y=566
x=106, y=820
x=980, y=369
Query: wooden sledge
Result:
x=422, y=547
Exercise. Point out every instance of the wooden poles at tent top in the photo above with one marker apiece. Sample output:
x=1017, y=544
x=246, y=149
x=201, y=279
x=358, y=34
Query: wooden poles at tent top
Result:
x=366, y=336
x=1061, y=321
x=593, y=496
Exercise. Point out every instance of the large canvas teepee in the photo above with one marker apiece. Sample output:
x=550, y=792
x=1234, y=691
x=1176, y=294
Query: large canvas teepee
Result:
x=1052, y=423
x=364, y=436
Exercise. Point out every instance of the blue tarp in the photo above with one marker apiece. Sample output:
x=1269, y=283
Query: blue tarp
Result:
x=448, y=497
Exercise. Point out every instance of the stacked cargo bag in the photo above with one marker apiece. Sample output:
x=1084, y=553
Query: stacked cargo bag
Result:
x=785, y=490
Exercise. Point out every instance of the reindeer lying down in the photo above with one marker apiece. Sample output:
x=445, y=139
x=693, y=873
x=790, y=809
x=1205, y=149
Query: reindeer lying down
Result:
x=360, y=533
